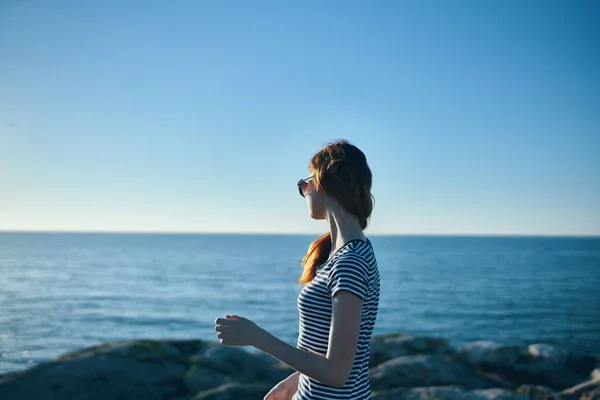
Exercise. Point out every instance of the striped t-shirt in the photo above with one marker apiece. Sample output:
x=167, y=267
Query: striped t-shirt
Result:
x=352, y=268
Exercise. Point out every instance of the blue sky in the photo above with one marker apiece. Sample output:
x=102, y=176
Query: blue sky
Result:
x=199, y=116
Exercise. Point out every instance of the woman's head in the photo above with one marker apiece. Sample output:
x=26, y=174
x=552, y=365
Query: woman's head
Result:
x=340, y=172
x=340, y=177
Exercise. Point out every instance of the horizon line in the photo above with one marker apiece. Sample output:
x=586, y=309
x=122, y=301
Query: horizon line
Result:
x=399, y=234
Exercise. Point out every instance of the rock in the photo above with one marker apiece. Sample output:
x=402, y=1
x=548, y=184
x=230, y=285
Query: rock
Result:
x=542, y=364
x=548, y=351
x=548, y=366
x=101, y=372
x=169, y=369
x=580, y=364
x=425, y=370
x=593, y=395
x=243, y=365
x=415, y=368
x=582, y=388
x=536, y=392
x=583, y=364
x=236, y=391
x=447, y=393
x=489, y=354
x=386, y=347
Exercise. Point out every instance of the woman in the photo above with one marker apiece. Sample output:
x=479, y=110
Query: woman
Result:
x=339, y=302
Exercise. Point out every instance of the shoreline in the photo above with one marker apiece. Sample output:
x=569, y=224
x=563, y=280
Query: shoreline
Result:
x=401, y=367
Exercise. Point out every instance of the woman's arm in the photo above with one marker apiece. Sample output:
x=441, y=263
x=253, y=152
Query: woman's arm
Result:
x=334, y=368
x=348, y=284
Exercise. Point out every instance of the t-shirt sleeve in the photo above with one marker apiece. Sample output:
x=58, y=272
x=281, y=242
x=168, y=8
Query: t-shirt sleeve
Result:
x=349, y=273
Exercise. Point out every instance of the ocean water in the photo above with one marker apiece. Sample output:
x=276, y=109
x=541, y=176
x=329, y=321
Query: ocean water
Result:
x=60, y=292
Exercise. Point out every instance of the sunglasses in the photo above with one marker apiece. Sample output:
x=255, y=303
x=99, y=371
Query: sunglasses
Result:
x=303, y=185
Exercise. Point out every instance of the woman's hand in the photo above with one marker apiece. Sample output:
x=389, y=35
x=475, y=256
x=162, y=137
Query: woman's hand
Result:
x=281, y=391
x=238, y=331
x=285, y=389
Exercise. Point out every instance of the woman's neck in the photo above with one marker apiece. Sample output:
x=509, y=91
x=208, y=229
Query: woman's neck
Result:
x=343, y=227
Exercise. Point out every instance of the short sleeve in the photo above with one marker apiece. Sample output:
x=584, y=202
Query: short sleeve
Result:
x=349, y=273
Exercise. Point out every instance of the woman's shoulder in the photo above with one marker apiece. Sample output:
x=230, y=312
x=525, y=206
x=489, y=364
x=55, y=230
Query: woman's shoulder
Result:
x=358, y=253
x=358, y=248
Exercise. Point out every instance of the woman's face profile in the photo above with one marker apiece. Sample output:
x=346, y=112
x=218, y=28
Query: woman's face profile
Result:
x=315, y=200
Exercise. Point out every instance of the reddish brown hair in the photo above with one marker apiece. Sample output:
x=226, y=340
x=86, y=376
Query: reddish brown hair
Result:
x=341, y=171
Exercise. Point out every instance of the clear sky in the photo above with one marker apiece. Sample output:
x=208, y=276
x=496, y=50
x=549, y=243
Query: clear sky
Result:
x=477, y=117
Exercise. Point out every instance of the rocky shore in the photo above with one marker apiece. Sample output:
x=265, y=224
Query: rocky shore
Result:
x=402, y=367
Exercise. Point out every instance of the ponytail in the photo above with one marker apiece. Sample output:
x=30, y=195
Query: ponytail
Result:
x=317, y=254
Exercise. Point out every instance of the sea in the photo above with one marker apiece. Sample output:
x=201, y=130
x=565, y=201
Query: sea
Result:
x=64, y=291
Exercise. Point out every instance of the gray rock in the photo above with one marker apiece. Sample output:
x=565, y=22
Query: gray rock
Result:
x=109, y=371
x=547, y=365
x=186, y=369
x=425, y=370
x=142, y=369
x=245, y=366
x=485, y=353
x=583, y=388
x=593, y=395
x=236, y=391
x=582, y=364
x=548, y=351
x=199, y=378
x=386, y=347
x=541, y=364
x=447, y=393
x=537, y=392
